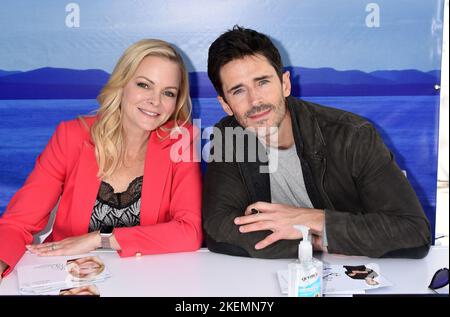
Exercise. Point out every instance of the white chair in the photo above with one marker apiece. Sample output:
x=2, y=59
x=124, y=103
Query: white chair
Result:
x=42, y=235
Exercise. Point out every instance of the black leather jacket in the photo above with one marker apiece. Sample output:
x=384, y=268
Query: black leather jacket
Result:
x=370, y=207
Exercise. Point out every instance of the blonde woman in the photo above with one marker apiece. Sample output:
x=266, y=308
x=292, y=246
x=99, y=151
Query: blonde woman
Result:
x=117, y=183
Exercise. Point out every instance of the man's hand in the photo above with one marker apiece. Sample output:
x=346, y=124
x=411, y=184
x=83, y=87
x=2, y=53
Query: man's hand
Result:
x=279, y=219
x=70, y=246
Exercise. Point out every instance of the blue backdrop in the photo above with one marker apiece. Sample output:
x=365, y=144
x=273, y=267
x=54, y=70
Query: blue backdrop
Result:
x=379, y=59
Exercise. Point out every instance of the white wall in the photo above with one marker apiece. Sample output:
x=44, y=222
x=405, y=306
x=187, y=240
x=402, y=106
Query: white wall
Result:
x=444, y=113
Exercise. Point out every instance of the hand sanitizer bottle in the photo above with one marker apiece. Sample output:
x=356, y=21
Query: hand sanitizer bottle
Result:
x=305, y=276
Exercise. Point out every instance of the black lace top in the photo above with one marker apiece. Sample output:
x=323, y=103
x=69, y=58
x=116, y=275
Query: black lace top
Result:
x=117, y=209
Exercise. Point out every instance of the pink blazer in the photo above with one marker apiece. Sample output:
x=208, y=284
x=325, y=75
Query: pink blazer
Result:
x=67, y=169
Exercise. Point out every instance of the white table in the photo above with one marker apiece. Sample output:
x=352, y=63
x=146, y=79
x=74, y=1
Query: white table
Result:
x=205, y=274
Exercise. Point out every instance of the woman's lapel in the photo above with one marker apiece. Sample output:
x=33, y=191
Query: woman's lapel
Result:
x=85, y=190
x=157, y=163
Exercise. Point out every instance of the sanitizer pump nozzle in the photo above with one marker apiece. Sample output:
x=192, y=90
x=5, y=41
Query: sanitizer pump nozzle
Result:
x=305, y=249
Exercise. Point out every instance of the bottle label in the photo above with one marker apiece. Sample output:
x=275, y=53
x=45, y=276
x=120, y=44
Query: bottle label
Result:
x=310, y=290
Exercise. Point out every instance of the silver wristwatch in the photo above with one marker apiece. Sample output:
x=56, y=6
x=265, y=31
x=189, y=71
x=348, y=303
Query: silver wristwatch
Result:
x=105, y=236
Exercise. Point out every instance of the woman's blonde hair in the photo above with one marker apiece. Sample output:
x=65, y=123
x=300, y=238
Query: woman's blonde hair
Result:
x=106, y=132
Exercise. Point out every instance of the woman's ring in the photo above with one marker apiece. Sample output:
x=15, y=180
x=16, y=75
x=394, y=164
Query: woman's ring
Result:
x=53, y=247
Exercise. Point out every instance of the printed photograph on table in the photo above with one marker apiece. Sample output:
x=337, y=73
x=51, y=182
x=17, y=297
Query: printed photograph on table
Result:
x=56, y=275
x=361, y=272
x=85, y=268
x=86, y=290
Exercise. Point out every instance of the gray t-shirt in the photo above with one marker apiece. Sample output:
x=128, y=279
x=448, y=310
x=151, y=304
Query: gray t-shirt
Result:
x=287, y=185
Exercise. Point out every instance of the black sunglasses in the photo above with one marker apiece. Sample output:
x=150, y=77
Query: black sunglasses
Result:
x=440, y=279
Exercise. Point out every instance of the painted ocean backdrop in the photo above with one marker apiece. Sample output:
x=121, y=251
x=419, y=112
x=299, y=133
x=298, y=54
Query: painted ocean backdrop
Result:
x=402, y=104
x=406, y=123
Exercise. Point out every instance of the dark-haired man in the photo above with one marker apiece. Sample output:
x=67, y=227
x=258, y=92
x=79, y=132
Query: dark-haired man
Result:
x=325, y=168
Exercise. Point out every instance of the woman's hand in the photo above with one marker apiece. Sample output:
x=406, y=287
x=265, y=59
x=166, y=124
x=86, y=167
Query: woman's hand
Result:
x=3, y=267
x=70, y=246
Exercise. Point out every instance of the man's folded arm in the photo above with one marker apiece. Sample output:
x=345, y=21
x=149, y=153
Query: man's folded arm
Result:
x=225, y=197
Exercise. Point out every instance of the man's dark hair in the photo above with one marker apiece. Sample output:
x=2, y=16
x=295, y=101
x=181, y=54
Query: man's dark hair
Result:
x=238, y=43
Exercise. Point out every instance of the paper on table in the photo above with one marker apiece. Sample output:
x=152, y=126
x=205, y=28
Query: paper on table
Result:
x=283, y=282
x=62, y=274
x=337, y=282
x=89, y=289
